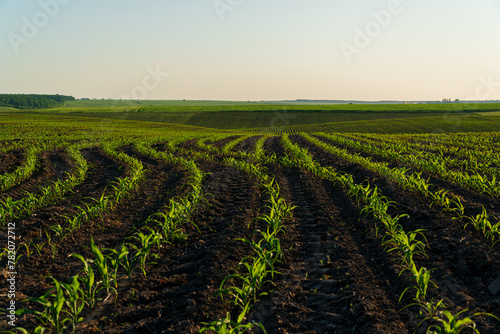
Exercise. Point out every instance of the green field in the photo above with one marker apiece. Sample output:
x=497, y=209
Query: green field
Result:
x=280, y=118
x=218, y=106
x=142, y=103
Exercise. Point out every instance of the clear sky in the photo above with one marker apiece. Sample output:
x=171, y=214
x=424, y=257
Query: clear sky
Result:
x=252, y=49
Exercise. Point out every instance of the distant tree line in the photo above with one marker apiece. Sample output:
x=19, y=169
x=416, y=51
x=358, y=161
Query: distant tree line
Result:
x=33, y=101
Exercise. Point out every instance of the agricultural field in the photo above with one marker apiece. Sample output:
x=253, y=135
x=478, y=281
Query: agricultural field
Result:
x=277, y=118
x=135, y=226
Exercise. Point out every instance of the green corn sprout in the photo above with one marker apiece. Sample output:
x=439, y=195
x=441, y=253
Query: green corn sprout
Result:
x=75, y=300
x=53, y=304
x=453, y=324
x=226, y=326
x=90, y=287
x=116, y=259
x=102, y=267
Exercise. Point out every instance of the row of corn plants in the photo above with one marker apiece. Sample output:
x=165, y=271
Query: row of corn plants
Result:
x=427, y=162
x=228, y=148
x=405, y=244
x=480, y=146
x=121, y=189
x=10, y=209
x=179, y=210
x=415, y=183
x=483, y=159
x=23, y=172
x=245, y=287
x=64, y=303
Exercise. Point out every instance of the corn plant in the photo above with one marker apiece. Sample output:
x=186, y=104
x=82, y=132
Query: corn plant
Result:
x=60, y=231
x=440, y=198
x=10, y=207
x=146, y=242
x=453, y=324
x=481, y=221
x=39, y=247
x=52, y=315
x=29, y=251
x=116, y=259
x=75, y=300
x=406, y=245
x=268, y=250
x=251, y=282
x=90, y=286
x=423, y=279
x=102, y=267
x=171, y=221
x=127, y=264
x=227, y=326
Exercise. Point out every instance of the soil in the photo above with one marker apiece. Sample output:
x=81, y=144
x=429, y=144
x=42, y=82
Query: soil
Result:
x=50, y=167
x=247, y=145
x=221, y=143
x=335, y=275
x=10, y=161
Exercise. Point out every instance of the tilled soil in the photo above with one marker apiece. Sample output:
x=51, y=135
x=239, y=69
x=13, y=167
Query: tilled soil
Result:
x=50, y=167
x=10, y=161
x=178, y=296
x=464, y=263
x=335, y=275
x=247, y=145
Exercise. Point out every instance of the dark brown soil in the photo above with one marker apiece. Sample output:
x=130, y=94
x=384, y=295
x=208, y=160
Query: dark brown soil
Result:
x=50, y=167
x=10, y=161
x=247, y=145
x=178, y=295
x=465, y=264
x=335, y=275
x=221, y=143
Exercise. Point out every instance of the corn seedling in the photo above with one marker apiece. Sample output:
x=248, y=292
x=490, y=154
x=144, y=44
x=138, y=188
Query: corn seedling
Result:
x=102, y=267
x=90, y=287
x=453, y=324
x=146, y=242
x=39, y=247
x=422, y=278
x=116, y=259
x=29, y=251
x=74, y=301
x=127, y=264
x=406, y=245
x=227, y=326
x=52, y=315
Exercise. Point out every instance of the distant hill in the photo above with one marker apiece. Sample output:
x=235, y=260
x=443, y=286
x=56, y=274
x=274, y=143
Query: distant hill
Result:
x=33, y=101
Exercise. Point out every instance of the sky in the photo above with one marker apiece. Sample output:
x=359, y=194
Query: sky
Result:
x=252, y=49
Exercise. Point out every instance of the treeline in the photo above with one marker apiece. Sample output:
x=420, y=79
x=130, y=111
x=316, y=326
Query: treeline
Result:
x=33, y=101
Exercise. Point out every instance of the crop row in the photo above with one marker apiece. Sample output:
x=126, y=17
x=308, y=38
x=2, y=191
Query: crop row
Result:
x=482, y=162
x=426, y=162
x=406, y=244
x=415, y=183
x=10, y=209
x=63, y=304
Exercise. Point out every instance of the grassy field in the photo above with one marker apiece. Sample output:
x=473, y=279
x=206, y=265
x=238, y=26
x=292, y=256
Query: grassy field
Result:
x=7, y=109
x=142, y=103
x=274, y=118
x=266, y=106
x=445, y=123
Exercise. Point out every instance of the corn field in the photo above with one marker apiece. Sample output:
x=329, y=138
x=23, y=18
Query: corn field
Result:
x=205, y=232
